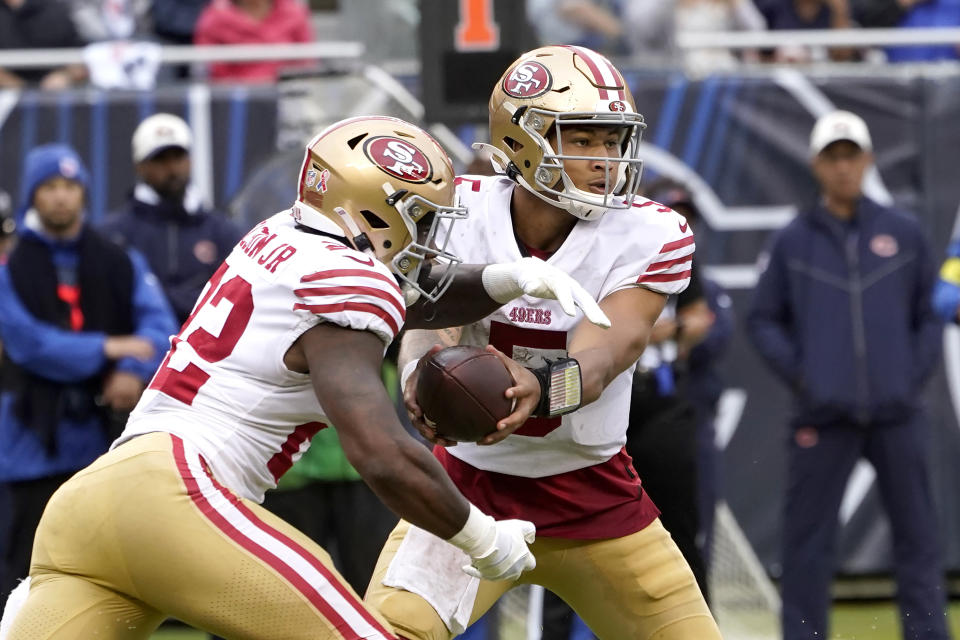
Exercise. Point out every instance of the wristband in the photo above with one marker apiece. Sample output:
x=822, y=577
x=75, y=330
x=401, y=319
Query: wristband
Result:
x=560, y=387
x=407, y=372
x=478, y=534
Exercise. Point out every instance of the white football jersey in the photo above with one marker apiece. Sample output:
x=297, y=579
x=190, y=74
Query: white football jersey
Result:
x=648, y=245
x=223, y=386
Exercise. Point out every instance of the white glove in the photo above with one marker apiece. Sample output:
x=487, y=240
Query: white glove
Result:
x=497, y=548
x=534, y=277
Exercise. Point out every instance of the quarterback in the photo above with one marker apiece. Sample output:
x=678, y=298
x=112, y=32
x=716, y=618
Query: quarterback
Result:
x=565, y=136
x=286, y=339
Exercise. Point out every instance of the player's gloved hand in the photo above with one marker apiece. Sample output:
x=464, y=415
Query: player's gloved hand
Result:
x=497, y=548
x=534, y=277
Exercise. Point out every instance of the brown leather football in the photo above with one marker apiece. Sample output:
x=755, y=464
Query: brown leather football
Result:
x=460, y=390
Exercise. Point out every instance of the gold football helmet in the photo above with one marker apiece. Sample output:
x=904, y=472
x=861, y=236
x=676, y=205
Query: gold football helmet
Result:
x=563, y=86
x=388, y=186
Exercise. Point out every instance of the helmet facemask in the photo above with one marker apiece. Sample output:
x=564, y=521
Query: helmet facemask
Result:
x=622, y=173
x=424, y=220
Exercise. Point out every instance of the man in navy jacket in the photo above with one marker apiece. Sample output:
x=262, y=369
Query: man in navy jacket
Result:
x=842, y=314
x=84, y=325
x=183, y=240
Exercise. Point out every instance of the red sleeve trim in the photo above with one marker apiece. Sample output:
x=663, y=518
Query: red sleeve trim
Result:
x=362, y=307
x=666, y=264
x=664, y=277
x=677, y=244
x=349, y=290
x=362, y=273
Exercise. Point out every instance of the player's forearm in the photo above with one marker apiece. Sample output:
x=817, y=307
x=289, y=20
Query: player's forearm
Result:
x=464, y=302
x=413, y=485
x=417, y=342
x=598, y=368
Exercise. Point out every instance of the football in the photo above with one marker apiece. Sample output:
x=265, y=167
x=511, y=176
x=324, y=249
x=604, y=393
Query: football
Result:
x=460, y=390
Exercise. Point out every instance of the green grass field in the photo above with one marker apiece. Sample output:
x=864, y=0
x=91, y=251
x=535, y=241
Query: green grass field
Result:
x=850, y=622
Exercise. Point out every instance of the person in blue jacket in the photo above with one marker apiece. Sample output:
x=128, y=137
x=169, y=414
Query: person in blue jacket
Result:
x=946, y=293
x=842, y=314
x=83, y=327
x=166, y=220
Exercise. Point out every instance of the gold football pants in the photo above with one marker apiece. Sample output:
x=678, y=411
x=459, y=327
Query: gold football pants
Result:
x=637, y=587
x=147, y=532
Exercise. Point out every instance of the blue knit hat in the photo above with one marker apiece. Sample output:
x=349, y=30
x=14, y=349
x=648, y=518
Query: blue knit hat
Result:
x=45, y=162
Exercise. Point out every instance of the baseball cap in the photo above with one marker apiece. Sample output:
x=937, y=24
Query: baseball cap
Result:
x=836, y=126
x=158, y=132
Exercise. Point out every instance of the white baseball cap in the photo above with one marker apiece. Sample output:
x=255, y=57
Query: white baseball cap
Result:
x=836, y=126
x=158, y=132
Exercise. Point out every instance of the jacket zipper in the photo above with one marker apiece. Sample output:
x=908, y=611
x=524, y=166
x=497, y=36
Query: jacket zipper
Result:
x=172, y=248
x=859, y=330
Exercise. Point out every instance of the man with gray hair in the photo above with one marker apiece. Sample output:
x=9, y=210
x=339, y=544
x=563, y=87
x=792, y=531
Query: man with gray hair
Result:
x=166, y=220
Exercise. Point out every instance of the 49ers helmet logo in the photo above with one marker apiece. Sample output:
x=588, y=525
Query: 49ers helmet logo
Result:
x=527, y=80
x=399, y=158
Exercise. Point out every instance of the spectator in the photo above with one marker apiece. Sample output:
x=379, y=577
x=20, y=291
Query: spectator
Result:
x=595, y=24
x=857, y=372
x=807, y=14
x=82, y=326
x=8, y=226
x=176, y=20
x=38, y=24
x=946, y=293
x=183, y=240
x=704, y=383
x=99, y=20
x=253, y=22
x=651, y=30
x=926, y=14
x=882, y=13
x=716, y=15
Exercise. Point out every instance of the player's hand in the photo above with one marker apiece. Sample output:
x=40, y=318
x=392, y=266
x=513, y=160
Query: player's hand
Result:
x=534, y=277
x=414, y=412
x=121, y=391
x=508, y=556
x=525, y=394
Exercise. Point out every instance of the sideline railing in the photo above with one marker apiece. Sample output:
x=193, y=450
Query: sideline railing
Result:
x=818, y=38
x=182, y=54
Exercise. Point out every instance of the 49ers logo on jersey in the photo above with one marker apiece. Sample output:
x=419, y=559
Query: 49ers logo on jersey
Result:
x=527, y=80
x=399, y=158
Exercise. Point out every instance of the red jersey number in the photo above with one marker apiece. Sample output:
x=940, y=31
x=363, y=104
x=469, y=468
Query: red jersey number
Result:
x=184, y=385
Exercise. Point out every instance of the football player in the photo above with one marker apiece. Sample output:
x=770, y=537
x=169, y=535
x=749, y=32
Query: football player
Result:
x=286, y=339
x=565, y=135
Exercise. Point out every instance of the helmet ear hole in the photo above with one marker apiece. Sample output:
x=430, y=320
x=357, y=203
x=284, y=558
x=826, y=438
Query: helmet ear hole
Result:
x=375, y=221
x=515, y=145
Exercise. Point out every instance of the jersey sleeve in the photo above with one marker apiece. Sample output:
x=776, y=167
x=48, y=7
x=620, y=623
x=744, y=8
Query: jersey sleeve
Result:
x=354, y=296
x=657, y=251
x=669, y=270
